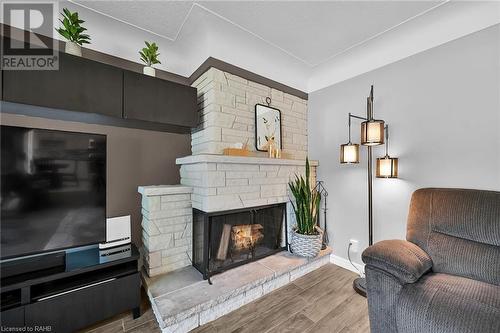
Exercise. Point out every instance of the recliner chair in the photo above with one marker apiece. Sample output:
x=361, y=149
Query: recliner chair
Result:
x=446, y=276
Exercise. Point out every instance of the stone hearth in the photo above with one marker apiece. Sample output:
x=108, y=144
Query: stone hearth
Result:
x=182, y=300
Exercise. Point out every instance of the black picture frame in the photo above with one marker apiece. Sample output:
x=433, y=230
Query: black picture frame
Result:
x=257, y=107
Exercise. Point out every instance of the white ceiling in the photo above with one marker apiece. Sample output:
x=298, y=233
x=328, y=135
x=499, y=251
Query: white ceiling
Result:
x=307, y=45
x=311, y=31
x=163, y=18
x=317, y=31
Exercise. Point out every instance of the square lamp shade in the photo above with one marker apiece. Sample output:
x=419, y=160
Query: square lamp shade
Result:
x=387, y=167
x=372, y=132
x=349, y=153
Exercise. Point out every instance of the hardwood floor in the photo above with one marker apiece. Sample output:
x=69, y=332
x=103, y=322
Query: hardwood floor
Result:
x=321, y=301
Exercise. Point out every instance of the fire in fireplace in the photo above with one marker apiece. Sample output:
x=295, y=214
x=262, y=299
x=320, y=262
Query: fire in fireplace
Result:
x=223, y=240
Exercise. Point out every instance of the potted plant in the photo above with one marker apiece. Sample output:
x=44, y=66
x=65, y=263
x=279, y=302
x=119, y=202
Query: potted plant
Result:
x=73, y=32
x=149, y=55
x=306, y=237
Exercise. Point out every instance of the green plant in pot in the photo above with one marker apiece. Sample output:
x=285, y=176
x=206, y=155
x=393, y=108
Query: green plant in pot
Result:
x=73, y=31
x=149, y=55
x=306, y=237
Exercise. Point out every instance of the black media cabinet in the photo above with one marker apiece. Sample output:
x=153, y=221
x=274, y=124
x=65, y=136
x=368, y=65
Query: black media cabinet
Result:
x=89, y=287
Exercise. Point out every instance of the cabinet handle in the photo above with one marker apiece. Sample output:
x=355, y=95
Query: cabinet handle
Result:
x=73, y=290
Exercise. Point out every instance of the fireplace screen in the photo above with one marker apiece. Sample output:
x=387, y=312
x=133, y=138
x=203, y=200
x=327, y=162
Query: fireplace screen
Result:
x=224, y=240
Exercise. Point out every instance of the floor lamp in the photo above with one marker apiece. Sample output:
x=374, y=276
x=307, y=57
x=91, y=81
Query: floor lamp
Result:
x=374, y=132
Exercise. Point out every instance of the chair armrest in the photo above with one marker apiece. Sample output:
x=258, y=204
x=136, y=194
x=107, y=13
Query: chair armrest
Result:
x=404, y=260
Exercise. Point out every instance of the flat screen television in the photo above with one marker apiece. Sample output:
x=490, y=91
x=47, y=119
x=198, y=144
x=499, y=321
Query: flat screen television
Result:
x=53, y=190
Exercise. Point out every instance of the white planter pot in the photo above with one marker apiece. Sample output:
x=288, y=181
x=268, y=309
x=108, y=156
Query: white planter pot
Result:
x=148, y=70
x=73, y=48
x=306, y=245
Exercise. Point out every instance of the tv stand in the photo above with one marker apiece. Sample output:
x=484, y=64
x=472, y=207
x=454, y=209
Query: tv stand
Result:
x=32, y=264
x=90, y=286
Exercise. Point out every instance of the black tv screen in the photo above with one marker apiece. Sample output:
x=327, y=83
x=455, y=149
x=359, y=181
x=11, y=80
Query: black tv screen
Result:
x=53, y=190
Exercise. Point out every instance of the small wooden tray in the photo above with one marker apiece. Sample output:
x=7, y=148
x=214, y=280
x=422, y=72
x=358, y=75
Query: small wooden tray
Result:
x=236, y=151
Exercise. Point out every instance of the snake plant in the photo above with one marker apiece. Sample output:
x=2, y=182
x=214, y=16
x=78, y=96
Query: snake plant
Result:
x=306, y=205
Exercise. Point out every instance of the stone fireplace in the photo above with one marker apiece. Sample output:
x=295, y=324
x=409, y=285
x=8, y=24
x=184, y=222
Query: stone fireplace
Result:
x=238, y=196
x=229, y=214
x=214, y=185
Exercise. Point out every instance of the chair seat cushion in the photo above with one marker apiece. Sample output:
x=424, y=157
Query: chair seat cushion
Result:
x=448, y=303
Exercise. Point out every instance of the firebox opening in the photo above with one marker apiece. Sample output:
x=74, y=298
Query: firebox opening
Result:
x=224, y=240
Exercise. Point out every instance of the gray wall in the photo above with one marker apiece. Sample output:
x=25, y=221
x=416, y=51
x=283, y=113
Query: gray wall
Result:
x=443, y=108
x=135, y=157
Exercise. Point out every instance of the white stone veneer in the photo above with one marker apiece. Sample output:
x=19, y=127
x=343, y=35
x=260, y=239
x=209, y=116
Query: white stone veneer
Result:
x=228, y=182
x=226, y=105
x=167, y=226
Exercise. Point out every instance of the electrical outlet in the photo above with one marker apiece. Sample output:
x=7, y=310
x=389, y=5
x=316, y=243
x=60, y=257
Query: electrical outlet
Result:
x=354, y=245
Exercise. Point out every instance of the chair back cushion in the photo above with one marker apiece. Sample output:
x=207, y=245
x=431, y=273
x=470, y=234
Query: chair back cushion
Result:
x=459, y=229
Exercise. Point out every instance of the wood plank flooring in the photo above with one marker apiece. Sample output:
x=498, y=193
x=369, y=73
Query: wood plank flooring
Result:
x=321, y=301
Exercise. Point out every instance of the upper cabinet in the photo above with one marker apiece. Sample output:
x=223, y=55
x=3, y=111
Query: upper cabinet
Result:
x=79, y=85
x=152, y=99
x=126, y=98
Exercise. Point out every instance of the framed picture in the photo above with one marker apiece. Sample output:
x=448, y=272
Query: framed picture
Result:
x=267, y=127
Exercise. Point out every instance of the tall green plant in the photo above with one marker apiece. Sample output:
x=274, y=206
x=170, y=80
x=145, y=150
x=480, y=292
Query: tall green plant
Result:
x=306, y=206
x=149, y=54
x=72, y=29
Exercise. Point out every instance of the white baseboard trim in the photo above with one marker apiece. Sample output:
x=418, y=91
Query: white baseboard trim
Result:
x=344, y=263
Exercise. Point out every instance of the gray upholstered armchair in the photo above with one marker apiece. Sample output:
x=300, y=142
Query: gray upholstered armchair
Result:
x=446, y=276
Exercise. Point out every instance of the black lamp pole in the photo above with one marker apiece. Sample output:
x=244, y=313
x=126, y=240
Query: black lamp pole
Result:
x=359, y=284
x=372, y=134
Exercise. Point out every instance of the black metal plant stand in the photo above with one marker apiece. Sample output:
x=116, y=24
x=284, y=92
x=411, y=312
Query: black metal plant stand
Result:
x=324, y=194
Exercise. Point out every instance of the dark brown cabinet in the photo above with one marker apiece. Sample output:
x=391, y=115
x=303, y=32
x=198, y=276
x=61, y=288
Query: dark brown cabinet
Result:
x=89, y=287
x=155, y=100
x=102, y=94
x=79, y=85
x=88, y=305
x=13, y=318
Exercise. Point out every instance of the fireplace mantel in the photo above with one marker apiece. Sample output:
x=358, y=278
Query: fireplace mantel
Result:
x=223, y=182
x=210, y=158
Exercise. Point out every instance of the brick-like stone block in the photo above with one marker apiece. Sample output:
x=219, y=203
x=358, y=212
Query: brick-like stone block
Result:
x=153, y=259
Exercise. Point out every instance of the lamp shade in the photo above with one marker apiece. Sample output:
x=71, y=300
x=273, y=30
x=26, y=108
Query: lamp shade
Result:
x=387, y=167
x=372, y=132
x=349, y=153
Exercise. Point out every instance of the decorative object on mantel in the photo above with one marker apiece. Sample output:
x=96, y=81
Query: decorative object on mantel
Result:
x=267, y=128
x=73, y=32
x=372, y=134
x=149, y=55
x=307, y=237
x=237, y=149
x=273, y=150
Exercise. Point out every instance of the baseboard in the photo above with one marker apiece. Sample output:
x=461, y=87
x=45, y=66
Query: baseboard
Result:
x=344, y=263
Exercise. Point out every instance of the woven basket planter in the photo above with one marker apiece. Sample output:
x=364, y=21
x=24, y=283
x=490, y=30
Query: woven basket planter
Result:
x=306, y=245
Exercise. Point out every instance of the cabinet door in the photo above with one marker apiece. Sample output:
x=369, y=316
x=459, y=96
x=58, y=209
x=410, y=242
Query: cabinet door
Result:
x=79, y=85
x=152, y=99
x=12, y=318
x=75, y=310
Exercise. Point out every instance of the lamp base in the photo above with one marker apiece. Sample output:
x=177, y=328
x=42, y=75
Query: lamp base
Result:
x=359, y=285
